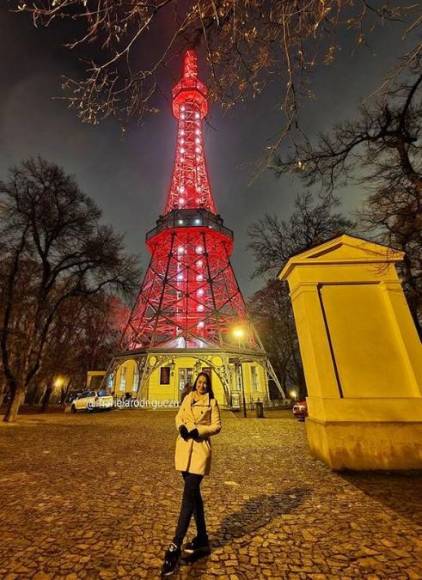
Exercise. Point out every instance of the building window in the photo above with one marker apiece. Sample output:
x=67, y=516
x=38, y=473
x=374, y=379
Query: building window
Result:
x=164, y=375
x=255, y=378
x=110, y=381
x=123, y=378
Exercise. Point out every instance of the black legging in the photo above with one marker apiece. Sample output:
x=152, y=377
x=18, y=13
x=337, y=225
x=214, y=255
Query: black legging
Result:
x=191, y=504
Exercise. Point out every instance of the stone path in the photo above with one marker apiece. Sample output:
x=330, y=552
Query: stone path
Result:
x=96, y=496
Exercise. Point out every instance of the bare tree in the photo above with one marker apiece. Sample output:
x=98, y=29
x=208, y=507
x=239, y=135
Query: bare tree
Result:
x=49, y=224
x=83, y=336
x=273, y=317
x=273, y=242
x=246, y=42
x=381, y=150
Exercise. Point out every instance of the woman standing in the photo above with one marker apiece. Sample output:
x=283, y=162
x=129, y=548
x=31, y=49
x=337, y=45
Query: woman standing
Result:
x=197, y=420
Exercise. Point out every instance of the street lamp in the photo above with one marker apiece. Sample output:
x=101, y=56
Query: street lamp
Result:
x=239, y=333
x=293, y=394
x=58, y=382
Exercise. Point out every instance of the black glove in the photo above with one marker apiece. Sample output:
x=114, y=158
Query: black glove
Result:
x=194, y=434
x=184, y=432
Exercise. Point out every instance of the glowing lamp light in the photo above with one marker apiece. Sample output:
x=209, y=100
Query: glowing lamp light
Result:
x=181, y=201
x=197, y=150
x=182, y=150
x=200, y=292
x=199, y=263
x=200, y=308
x=197, y=115
x=199, y=278
x=182, y=108
x=293, y=394
x=238, y=332
x=180, y=222
x=201, y=324
x=180, y=250
x=179, y=277
x=197, y=140
x=197, y=222
x=199, y=249
x=198, y=131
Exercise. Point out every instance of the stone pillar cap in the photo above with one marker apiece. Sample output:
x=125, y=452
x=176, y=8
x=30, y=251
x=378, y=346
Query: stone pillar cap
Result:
x=342, y=249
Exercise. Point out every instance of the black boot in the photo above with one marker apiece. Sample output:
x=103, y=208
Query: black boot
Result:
x=171, y=560
x=199, y=545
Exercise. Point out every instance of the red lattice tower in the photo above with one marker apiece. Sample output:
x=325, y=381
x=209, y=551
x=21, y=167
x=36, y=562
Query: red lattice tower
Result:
x=189, y=297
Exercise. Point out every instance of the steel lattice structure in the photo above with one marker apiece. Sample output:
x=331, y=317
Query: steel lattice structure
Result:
x=189, y=297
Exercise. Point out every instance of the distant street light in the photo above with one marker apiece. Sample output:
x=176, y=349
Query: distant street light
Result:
x=58, y=382
x=239, y=333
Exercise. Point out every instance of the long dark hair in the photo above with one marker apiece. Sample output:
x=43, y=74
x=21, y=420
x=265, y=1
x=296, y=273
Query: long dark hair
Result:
x=208, y=381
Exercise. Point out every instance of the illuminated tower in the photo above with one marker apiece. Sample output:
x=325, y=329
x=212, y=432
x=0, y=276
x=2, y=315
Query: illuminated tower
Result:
x=190, y=304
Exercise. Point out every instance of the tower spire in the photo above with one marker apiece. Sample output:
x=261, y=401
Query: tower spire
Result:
x=190, y=188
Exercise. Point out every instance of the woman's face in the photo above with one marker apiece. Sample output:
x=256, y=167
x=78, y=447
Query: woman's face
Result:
x=201, y=385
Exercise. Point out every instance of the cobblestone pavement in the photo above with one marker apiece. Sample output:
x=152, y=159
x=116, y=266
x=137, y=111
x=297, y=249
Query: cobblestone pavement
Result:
x=96, y=496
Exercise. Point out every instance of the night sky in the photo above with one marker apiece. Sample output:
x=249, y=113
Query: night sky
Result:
x=129, y=176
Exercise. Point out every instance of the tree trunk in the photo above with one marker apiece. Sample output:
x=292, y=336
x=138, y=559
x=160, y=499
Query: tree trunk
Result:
x=46, y=398
x=2, y=394
x=65, y=392
x=14, y=405
x=31, y=395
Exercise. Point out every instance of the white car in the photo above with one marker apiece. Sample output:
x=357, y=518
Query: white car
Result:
x=92, y=401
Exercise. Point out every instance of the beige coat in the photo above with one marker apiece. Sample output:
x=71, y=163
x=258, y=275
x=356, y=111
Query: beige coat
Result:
x=195, y=456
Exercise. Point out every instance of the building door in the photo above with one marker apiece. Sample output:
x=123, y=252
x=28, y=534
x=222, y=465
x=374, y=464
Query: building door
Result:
x=185, y=376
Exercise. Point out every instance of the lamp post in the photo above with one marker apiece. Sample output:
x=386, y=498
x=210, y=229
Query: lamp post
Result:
x=239, y=333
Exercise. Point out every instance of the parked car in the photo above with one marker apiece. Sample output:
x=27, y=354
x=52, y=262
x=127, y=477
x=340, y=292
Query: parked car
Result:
x=92, y=401
x=300, y=410
x=70, y=397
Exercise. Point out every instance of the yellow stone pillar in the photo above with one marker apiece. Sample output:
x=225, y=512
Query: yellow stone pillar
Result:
x=361, y=354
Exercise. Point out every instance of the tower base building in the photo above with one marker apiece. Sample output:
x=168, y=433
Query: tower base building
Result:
x=159, y=376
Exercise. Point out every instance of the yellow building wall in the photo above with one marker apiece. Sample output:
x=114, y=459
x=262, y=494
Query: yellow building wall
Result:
x=124, y=379
x=153, y=390
x=383, y=370
x=156, y=391
x=361, y=354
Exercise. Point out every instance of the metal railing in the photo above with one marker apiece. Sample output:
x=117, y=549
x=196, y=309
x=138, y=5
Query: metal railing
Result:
x=188, y=218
